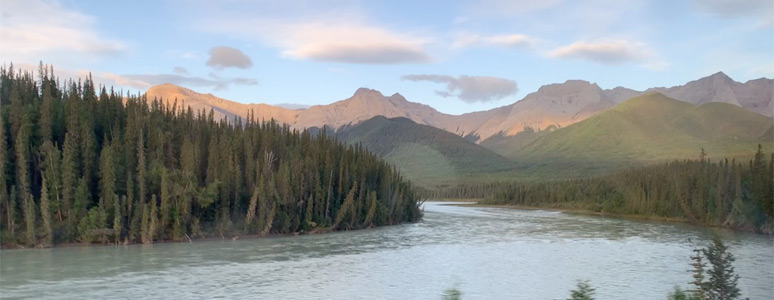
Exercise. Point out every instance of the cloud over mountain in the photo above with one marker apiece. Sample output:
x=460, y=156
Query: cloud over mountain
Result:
x=222, y=57
x=605, y=51
x=143, y=81
x=470, y=89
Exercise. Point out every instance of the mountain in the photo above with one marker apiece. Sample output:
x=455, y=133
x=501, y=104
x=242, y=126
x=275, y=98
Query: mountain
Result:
x=551, y=106
x=363, y=105
x=649, y=128
x=170, y=93
x=754, y=95
x=425, y=154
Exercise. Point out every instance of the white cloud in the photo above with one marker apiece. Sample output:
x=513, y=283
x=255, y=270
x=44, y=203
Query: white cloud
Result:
x=32, y=29
x=506, y=41
x=604, y=51
x=470, y=89
x=340, y=38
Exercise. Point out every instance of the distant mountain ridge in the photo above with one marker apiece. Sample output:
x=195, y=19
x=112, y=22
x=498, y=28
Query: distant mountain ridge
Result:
x=554, y=105
x=650, y=128
x=754, y=95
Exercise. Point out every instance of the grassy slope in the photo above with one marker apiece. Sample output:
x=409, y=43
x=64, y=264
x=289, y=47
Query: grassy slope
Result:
x=645, y=129
x=428, y=155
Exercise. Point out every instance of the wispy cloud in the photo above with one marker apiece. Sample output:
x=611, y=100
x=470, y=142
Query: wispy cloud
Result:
x=507, y=7
x=180, y=70
x=144, y=81
x=222, y=57
x=470, y=89
x=339, y=37
x=505, y=40
x=762, y=11
x=604, y=51
x=32, y=29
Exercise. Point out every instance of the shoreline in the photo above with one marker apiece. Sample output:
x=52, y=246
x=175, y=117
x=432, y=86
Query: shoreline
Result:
x=232, y=237
x=586, y=212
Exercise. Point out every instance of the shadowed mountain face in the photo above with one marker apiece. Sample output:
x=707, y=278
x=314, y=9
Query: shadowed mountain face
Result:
x=425, y=154
x=551, y=106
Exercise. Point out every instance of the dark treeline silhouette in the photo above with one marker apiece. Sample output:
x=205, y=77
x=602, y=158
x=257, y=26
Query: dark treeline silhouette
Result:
x=77, y=166
x=724, y=193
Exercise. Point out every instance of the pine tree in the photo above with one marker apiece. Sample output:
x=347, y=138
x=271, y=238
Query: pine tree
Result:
x=69, y=180
x=45, y=213
x=698, y=275
x=722, y=283
x=107, y=178
x=117, y=219
x=582, y=291
x=165, y=208
x=22, y=144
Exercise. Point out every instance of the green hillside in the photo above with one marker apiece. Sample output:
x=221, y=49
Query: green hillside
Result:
x=646, y=129
x=508, y=145
x=427, y=155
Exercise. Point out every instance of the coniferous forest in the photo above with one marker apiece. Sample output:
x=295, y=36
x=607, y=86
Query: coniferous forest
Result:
x=725, y=193
x=80, y=163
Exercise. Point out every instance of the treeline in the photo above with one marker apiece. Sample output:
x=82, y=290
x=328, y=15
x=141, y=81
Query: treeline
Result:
x=724, y=193
x=77, y=166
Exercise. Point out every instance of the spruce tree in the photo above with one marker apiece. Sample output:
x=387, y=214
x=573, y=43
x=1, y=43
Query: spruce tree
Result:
x=45, y=213
x=722, y=283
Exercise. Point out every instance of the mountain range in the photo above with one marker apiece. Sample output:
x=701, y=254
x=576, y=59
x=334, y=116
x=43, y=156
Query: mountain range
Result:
x=564, y=129
x=554, y=105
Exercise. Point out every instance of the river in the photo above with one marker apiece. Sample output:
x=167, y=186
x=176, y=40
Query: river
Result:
x=486, y=253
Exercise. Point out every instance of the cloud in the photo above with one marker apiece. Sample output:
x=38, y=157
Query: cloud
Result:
x=180, y=70
x=737, y=8
x=605, y=52
x=342, y=39
x=507, y=7
x=760, y=10
x=505, y=41
x=470, y=89
x=144, y=81
x=31, y=29
x=222, y=57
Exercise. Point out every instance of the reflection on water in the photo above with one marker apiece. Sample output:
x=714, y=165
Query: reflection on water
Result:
x=489, y=253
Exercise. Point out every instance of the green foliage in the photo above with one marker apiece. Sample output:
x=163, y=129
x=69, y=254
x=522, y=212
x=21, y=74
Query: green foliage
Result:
x=642, y=130
x=723, y=193
x=679, y=294
x=452, y=294
x=582, y=291
x=92, y=227
x=722, y=282
x=133, y=170
x=425, y=154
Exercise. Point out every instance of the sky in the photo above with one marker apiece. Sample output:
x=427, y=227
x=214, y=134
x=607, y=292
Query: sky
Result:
x=457, y=56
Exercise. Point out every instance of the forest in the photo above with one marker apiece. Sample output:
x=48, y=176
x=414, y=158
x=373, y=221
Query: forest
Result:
x=86, y=164
x=724, y=193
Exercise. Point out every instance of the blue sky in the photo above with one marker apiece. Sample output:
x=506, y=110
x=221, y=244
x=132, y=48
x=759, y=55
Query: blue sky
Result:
x=456, y=56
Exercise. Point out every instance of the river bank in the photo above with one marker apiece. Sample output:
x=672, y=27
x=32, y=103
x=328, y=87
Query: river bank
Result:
x=477, y=203
x=486, y=253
